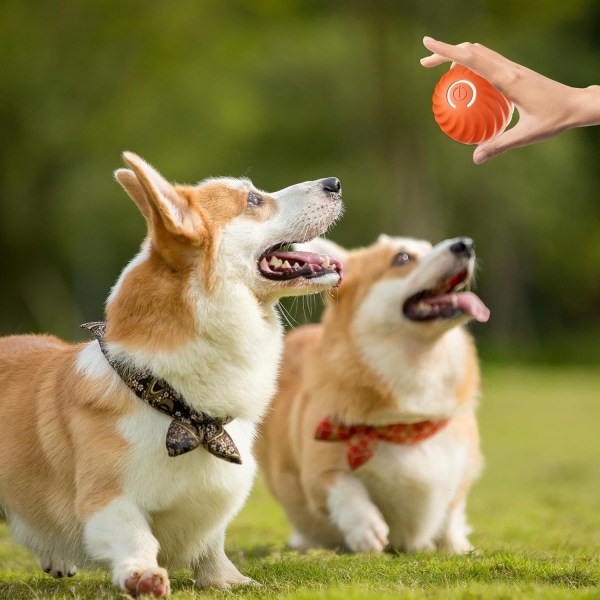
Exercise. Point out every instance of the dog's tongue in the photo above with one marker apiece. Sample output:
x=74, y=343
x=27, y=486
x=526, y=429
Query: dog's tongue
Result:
x=468, y=302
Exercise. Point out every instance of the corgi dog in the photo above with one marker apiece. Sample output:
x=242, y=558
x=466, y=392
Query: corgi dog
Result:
x=122, y=450
x=371, y=442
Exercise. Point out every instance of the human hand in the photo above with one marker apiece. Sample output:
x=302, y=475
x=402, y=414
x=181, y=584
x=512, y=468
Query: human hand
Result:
x=546, y=107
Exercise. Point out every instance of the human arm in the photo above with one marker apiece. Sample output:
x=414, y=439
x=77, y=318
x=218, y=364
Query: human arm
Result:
x=546, y=107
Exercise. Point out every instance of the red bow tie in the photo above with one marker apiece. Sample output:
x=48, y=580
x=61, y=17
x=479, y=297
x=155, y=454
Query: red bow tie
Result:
x=363, y=439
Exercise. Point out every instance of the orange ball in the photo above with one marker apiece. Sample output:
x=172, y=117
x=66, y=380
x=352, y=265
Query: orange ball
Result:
x=468, y=108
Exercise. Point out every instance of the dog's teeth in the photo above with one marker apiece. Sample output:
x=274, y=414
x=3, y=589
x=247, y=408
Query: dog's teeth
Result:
x=296, y=266
x=286, y=265
x=454, y=301
x=275, y=262
x=325, y=261
x=423, y=306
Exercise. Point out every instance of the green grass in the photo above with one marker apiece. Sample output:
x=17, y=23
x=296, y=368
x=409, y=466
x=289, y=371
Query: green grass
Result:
x=535, y=514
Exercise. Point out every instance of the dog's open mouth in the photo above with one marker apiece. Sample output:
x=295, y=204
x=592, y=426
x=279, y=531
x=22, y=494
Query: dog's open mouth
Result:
x=447, y=302
x=282, y=263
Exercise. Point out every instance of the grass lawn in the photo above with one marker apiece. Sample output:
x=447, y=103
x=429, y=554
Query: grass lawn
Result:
x=535, y=514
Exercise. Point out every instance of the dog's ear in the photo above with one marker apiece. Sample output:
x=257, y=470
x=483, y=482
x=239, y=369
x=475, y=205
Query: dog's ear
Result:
x=158, y=200
x=131, y=184
x=384, y=238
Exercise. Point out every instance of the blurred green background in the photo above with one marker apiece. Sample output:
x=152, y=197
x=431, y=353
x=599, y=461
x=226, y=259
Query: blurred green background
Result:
x=284, y=92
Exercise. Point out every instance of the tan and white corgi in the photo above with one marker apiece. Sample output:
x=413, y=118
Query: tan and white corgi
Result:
x=371, y=442
x=94, y=464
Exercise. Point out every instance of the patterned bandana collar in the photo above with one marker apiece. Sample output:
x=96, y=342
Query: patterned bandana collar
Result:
x=189, y=428
x=362, y=440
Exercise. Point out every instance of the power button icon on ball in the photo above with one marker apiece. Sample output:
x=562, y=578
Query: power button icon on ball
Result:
x=468, y=108
x=461, y=92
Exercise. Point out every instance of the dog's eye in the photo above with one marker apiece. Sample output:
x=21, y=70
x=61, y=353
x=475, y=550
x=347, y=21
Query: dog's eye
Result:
x=402, y=258
x=254, y=199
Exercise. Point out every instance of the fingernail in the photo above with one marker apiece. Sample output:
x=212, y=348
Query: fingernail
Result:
x=428, y=39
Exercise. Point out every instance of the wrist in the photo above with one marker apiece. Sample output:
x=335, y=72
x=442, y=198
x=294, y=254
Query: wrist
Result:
x=586, y=108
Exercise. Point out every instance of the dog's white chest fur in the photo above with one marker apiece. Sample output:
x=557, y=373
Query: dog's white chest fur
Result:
x=188, y=497
x=195, y=309
x=191, y=497
x=414, y=485
x=158, y=482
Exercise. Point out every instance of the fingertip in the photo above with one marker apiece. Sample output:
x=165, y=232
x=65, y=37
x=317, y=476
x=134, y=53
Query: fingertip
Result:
x=480, y=156
x=428, y=42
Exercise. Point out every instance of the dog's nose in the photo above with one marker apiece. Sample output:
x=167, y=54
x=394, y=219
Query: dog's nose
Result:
x=463, y=247
x=332, y=184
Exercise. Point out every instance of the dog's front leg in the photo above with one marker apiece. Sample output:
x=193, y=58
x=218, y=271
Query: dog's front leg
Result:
x=345, y=501
x=213, y=569
x=356, y=516
x=453, y=537
x=120, y=534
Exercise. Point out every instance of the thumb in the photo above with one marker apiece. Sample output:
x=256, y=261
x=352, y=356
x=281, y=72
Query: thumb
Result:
x=513, y=138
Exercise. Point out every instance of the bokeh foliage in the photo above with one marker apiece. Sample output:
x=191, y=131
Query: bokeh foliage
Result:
x=284, y=92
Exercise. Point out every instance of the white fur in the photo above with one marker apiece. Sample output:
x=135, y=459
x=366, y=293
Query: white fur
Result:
x=230, y=368
x=402, y=496
x=45, y=543
x=57, y=567
x=182, y=505
x=191, y=497
x=413, y=487
x=58, y=555
x=92, y=363
x=408, y=489
x=417, y=361
x=302, y=211
x=120, y=535
x=418, y=374
x=176, y=510
x=355, y=515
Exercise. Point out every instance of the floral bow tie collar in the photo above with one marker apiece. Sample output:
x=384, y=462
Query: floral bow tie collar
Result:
x=362, y=440
x=189, y=428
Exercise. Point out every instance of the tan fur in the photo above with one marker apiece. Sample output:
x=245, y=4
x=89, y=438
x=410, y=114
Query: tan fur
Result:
x=46, y=410
x=65, y=424
x=84, y=471
x=147, y=316
x=325, y=374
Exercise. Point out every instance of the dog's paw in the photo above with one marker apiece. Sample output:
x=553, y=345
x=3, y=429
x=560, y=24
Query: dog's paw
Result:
x=149, y=582
x=57, y=567
x=456, y=545
x=370, y=534
x=299, y=543
x=227, y=581
x=418, y=546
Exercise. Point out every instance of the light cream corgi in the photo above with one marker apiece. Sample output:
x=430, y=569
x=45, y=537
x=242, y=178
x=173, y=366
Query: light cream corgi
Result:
x=123, y=450
x=371, y=442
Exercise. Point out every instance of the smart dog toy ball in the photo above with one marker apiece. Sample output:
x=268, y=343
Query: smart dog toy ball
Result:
x=468, y=108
